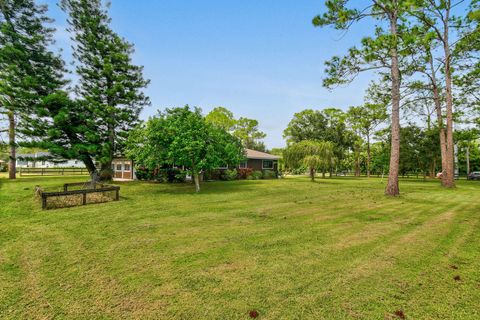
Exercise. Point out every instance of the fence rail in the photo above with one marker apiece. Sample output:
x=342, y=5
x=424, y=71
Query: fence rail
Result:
x=53, y=171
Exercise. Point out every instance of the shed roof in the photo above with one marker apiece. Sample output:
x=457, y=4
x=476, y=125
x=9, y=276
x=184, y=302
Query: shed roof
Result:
x=254, y=154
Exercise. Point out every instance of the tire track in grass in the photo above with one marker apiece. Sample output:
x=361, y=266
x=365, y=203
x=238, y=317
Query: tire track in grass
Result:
x=421, y=237
x=378, y=255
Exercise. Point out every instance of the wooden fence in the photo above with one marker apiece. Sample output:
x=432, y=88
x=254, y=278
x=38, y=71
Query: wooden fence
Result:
x=69, y=197
x=53, y=172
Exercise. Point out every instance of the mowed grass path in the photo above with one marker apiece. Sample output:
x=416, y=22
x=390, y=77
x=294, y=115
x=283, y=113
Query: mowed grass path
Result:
x=289, y=249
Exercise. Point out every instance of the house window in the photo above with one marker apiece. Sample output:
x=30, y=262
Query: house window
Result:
x=119, y=167
x=267, y=164
x=76, y=162
x=243, y=165
x=126, y=167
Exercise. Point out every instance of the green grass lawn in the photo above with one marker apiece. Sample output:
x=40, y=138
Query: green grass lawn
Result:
x=289, y=249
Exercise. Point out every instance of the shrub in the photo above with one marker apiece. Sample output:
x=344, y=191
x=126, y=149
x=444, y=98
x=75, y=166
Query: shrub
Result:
x=143, y=174
x=212, y=174
x=298, y=171
x=269, y=174
x=257, y=175
x=244, y=173
x=169, y=175
x=229, y=175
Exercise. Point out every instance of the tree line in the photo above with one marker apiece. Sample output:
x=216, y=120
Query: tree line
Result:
x=420, y=50
x=89, y=121
x=94, y=119
x=358, y=141
x=425, y=54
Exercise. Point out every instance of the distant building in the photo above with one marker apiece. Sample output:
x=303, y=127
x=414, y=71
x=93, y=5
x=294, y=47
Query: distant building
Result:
x=258, y=160
x=45, y=160
x=123, y=169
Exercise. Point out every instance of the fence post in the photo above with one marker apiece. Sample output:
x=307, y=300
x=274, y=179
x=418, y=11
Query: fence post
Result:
x=84, y=198
x=65, y=187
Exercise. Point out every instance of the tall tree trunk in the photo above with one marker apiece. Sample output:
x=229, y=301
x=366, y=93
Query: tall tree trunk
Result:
x=196, y=180
x=392, y=188
x=12, y=162
x=368, y=156
x=106, y=172
x=468, y=158
x=323, y=173
x=438, y=108
x=357, y=160
x=312, y=174
x=448, y=179
x=432, y=167
x=90, y=165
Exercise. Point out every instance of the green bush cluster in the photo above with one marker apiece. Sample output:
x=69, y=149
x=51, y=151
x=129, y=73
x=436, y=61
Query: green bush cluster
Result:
x=169, y=175
x=229, y=175
x=256, y=175
x=269, y=174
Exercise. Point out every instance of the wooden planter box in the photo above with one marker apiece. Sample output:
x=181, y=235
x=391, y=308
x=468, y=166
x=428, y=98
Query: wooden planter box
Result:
x=97, y=192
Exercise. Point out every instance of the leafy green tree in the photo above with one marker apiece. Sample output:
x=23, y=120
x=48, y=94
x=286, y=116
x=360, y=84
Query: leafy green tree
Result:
x=384, y=52
x=244, y=128
x=222, y=117
x=29, y=70
x=306, y=125
x=437, y=16
x=365, y=119
x=325, y=125
x=182, y=137
x=467, y=141
x=309, y=153
x=248, y=132
x=380, y=154
x=109, y=82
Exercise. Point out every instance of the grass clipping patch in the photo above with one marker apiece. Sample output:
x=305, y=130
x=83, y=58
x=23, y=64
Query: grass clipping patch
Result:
x=59, y=198
x=77, y=199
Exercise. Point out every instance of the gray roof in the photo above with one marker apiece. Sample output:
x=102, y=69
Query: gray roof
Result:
x=254, y=154
x=26, y=155
x=34, y=155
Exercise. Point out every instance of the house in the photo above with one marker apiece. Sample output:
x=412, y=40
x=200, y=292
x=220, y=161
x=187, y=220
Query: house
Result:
x=258, y=160
x=45, y=160
x=124, y=169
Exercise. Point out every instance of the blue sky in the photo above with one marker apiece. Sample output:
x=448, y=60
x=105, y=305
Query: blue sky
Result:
x=260, y=59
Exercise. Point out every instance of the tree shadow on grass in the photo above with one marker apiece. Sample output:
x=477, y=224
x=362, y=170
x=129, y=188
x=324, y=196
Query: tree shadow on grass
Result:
x=210, y=187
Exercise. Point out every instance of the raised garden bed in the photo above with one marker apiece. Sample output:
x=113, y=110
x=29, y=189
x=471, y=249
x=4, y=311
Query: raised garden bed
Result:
x=77, y=194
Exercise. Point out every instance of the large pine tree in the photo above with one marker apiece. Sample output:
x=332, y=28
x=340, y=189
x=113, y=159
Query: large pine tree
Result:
x=110, y=83
x=28, y=69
